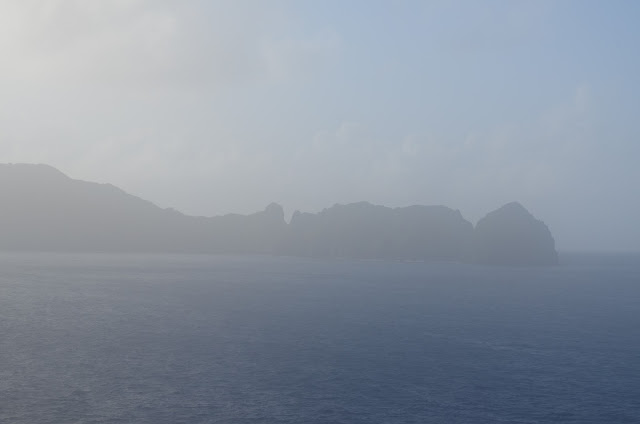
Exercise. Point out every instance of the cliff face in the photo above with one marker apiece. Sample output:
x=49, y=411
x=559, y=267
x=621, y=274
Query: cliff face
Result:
x=363, y=230
x=510, y=235
x=43, y=209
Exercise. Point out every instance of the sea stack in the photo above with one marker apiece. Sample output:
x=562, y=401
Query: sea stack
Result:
x=510, y=235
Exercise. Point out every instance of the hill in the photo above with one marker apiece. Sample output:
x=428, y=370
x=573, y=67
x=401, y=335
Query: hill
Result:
x=43, y=209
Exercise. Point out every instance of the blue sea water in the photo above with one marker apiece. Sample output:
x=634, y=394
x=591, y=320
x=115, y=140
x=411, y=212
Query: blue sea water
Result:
x=157, y=339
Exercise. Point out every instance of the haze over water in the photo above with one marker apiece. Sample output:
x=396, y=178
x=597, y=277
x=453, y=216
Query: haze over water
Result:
x=214, y=107
x=198, y=339
x=207, y=108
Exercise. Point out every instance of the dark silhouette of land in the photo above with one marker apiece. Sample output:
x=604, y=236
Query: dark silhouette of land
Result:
x=44, y=210
x=362, y=230
x=512, y=236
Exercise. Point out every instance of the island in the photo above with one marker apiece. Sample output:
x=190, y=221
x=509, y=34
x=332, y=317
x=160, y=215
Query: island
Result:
x=45, y=210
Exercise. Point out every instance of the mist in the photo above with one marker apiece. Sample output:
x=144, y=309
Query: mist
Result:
x=219, y=107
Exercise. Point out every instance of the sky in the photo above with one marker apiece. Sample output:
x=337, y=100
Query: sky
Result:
x=212, y=107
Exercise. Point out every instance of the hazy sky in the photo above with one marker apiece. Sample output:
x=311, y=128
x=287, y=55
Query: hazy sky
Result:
x=215, y=107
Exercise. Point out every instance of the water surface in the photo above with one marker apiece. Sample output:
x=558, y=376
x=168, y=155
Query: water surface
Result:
x=90, y=338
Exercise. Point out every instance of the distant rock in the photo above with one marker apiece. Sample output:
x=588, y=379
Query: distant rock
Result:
x=366, y=231
x=43, y=209
x=512, y=236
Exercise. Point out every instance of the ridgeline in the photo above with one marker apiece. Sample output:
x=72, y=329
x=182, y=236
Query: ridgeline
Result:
x=44, y=210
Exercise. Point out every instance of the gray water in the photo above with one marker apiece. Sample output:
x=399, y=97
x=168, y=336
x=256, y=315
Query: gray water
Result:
x=213, y=339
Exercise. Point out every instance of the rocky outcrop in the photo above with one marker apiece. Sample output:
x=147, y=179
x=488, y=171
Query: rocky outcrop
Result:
x=43, y=209
x=366, y=231
x=510, y=235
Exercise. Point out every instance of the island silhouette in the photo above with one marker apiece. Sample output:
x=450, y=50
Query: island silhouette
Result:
x=45, y=210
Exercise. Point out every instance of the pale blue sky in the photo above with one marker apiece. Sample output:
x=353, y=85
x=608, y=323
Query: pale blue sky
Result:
x=215, y=107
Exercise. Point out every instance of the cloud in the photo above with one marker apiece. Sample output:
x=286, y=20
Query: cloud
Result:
x=83, y=40
x=144, y=43
x=137, y=91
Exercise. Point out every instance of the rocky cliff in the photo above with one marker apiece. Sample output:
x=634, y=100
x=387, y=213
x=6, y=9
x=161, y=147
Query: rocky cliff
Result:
x=43, y=209
x=510, y=235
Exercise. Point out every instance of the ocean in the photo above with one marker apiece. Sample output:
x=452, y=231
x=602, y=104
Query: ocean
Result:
x=98, y=338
